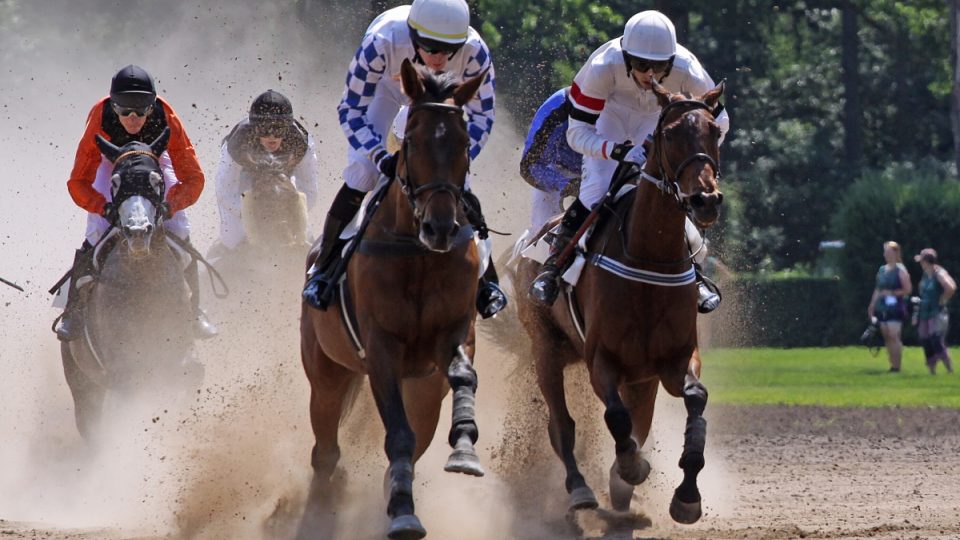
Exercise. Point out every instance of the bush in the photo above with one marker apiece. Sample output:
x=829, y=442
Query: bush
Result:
x=916, y=206
x=778, y=311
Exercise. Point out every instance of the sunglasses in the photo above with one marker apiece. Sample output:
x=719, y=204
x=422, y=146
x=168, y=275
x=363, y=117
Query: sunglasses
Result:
x=642, y=65
x=436, y=49
x=127, y=111
x=269, y=131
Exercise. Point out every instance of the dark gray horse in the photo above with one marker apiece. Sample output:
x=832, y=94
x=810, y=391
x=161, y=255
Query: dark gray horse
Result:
x=137, y=331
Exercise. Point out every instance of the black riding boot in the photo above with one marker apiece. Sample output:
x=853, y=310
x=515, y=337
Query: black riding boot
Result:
x=490, y=297
x=71, y=322
x=202, y=327
x=546, y=287
x=318, y=290
x=708, y=294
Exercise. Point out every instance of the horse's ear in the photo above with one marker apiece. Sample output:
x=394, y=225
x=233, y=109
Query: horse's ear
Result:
x=711, y=97
x=107, y=148
x=160, y=144
x=663, y=95
x=410, y=77
x=465, y=92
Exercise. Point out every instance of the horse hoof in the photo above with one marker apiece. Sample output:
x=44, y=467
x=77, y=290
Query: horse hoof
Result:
x=686, y=513
x=582, y=498
x=406, y=527
x=466, y=462
x=637, y=474
x=621, y=492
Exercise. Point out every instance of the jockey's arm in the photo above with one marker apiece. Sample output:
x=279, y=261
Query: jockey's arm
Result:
x=582, y=133
x=307, y=174
x=227, y=183
x=80, y=184
x=481, y=109
x=364, y=74
x=189, y=174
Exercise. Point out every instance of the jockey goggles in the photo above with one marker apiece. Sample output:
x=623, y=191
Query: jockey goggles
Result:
x=429, y=46
x=641, y=65
x=127, y=111
x=270, y=129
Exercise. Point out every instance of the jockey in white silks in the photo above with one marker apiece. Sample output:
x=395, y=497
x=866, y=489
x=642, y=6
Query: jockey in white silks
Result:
x=611, y=104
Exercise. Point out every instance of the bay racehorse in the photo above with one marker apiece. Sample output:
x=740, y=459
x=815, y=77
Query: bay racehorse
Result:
x=633, y=334
x=137, y=329
x=275, y=213
x=409, y=292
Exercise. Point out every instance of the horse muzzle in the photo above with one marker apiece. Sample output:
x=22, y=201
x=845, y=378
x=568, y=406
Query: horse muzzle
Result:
x=138, y=239
x=438, y=234
x=705, y=208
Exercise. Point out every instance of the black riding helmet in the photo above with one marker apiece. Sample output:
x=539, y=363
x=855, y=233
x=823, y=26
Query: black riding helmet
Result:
x=132, y=87
x=271, y=113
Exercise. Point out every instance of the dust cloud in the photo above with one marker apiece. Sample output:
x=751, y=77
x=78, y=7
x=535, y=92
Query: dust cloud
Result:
x=232, y=460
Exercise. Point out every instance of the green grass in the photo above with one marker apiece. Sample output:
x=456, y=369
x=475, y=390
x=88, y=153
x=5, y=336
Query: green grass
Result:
x=830, y=377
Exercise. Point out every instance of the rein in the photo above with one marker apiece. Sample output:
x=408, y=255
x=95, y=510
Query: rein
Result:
x=411, y=190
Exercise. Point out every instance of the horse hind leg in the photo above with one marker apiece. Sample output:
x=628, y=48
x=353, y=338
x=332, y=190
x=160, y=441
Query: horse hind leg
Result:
x=685, y=505
x=561, y=427
x=463, y=431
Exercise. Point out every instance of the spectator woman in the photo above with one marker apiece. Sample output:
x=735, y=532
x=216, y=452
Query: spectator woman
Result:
x=888, y=303
x=936, y=288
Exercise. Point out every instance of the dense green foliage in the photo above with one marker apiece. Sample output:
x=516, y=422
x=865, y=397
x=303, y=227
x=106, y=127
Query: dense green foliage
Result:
x=781, y=312
x=913, y=206
x=835, y=377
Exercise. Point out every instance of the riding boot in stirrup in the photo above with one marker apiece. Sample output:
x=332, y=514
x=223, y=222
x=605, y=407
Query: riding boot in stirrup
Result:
x=708, y=294
x=81, y=276
x=546, y=287
x=317, y=292
x=202, y=327
x=490, y=297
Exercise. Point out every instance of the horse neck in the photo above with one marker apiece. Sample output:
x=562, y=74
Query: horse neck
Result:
x=655, y=225
x=154, y=271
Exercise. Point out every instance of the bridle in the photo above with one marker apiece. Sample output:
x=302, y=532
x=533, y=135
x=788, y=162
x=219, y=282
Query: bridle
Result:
x=411, y=190
x=134, y=184
x=670, y=184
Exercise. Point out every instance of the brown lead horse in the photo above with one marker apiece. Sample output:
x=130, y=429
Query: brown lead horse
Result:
x=411, y=286
x=637, y=335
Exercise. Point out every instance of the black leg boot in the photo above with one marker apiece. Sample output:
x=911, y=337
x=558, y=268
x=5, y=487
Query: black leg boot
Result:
x=490, y=297
x=81, y=277
x=546, y=287
x=202, y=327
x=318, y=290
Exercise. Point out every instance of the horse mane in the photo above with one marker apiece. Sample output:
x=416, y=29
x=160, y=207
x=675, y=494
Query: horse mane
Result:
x=439, y=86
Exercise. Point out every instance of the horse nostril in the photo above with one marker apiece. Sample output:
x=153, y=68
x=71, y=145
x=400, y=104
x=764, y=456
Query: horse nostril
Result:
x=427, y=228
x=149, y=230
x=697, y=200
x=456, y=228
x=719, y=198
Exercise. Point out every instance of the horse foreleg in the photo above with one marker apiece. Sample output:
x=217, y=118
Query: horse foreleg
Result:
x=640, y=399
x=685, y=506
x=87, y=396
x=400, y=442
x=562, y=429
x=463, y=431
x=630, y=465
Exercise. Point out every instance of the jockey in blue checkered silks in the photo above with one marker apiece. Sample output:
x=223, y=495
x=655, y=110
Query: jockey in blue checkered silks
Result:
x=435, y=34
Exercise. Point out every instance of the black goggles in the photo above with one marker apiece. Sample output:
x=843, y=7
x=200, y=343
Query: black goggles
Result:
x=429, y=46
x=127, y=111
x=269, y=129
x=642, y=65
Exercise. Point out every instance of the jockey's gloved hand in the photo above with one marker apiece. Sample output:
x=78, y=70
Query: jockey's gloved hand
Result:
x=111, y=213
x=387, y=163
x=164, y=210
x=637, y=154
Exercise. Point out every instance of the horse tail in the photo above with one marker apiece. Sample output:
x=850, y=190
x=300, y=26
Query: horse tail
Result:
x=350, y=398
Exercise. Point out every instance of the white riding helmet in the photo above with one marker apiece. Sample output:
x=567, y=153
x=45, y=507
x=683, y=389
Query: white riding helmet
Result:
x=650, y=35
x=444, y=21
